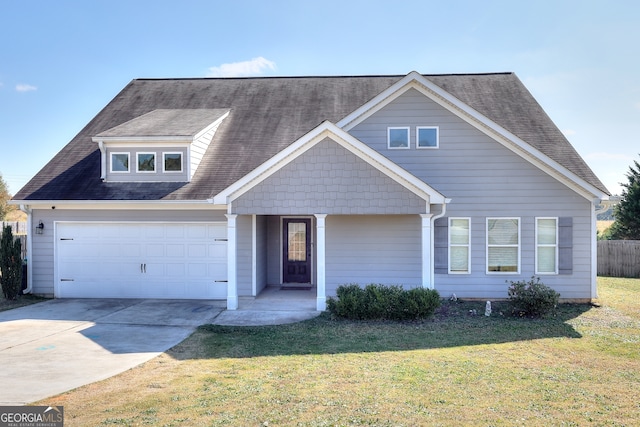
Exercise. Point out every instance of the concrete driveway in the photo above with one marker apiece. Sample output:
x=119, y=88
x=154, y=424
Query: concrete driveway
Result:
x=57, y=345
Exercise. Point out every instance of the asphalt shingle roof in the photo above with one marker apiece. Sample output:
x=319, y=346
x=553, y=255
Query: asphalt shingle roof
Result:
x=266, y=115
x=178, y=123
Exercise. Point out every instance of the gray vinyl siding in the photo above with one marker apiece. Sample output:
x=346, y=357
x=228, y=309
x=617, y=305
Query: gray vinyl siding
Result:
x=42, y=254
x=484, y=179
x=274, y=251
x=383, y=249
x=244, y=254
x=157, y=176
x=328, y=179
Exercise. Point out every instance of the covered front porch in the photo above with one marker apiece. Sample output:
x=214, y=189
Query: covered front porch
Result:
x=326, y=211
x=292, y=261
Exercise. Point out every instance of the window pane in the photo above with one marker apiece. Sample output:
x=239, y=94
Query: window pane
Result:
x=146, y=162
x=398, y=138
x=547, y=259
x=459, y=258
x=173, y=162
x=503, y=231
x=547, y=231
x=503, y=259
x=459, y=231
x=120, y=162
x=297, y=236
x=427, y=137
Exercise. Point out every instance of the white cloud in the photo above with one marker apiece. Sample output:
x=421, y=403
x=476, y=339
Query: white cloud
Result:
x=254, y=67
x=25, y=88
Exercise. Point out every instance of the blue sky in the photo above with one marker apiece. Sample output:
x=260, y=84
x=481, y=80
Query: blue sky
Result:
x=62, y=61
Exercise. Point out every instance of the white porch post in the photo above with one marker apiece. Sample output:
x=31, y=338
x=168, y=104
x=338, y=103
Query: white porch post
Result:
x=427, y=255
x=321, y=300
x=232, y=285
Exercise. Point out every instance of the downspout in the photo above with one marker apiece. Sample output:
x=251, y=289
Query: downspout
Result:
x=103, y=161
x=433, y=256
x=26, y=209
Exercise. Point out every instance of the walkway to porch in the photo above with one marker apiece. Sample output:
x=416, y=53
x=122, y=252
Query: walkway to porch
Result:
x=277, y=298
x=273, y=306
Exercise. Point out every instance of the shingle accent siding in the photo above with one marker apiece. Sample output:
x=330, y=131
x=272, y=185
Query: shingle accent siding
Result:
x=328, y=179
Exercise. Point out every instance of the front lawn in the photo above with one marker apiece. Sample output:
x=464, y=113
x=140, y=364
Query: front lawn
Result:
x=21, y=301
x=581, y=367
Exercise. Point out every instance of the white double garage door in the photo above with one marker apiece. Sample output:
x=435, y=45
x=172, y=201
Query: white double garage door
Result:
x=141, y=260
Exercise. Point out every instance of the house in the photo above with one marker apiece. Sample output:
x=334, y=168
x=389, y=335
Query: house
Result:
x=215, y=188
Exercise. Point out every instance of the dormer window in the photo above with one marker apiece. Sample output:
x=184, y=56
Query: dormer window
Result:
x=119, y=162
x=160, y=146
x=146, y=162
x=172, y=162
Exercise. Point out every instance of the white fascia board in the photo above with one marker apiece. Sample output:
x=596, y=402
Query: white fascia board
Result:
x=415, y=80
x=120, y=204
x=212, y=125
x=322, y=131
x=117, y=141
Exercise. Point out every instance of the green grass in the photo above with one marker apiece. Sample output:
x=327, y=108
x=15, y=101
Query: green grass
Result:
x=21, y=301
x=581, y=367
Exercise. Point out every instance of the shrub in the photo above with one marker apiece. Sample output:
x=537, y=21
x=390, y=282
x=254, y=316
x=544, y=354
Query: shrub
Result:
x=532, y=298
x=382, y=302
x=10, y=265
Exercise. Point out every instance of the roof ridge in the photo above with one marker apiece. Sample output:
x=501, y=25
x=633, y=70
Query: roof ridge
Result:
x=320, y=76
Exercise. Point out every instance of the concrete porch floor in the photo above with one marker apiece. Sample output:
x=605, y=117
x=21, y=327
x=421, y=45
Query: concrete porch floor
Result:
x=272, y=306
x=276, y=298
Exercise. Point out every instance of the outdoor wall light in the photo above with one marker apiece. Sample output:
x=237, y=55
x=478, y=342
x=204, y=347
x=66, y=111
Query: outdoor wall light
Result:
x=40, y=228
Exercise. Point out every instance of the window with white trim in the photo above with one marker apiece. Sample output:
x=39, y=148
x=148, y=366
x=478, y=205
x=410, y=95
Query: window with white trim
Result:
x=119, y=163
x=172, y=162
x=503, y=245
x=546, y=245
x=397, y=137
x=146, y=162
x=459, y=245
x=427, y=137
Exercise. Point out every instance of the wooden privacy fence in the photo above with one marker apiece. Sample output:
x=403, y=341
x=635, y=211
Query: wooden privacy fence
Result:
x=619, y=258
x=17, y=227
x=19, y=231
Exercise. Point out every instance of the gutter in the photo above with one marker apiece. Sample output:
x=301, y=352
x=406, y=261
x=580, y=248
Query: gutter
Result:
x=26, y=209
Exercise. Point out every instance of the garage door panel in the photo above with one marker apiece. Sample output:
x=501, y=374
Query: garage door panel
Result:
x=218, y=251
x=175, y=250
x=195, y=232
x=153, y=231
x=198, y=251
x=175, y=270
x=176, y=232
x=154, y=250
x=129, y=260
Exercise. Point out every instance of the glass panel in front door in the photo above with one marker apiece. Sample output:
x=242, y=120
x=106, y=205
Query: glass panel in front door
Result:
x=297, y=236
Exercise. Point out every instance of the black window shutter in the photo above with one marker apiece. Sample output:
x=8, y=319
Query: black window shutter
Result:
x=441, y=246
x=565, y=245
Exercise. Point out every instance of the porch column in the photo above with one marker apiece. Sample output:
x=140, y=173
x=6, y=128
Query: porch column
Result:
x=427, y=256
x=232, y=285
x=321, y=299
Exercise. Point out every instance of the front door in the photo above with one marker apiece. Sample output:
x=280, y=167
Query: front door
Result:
x=296, y=259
